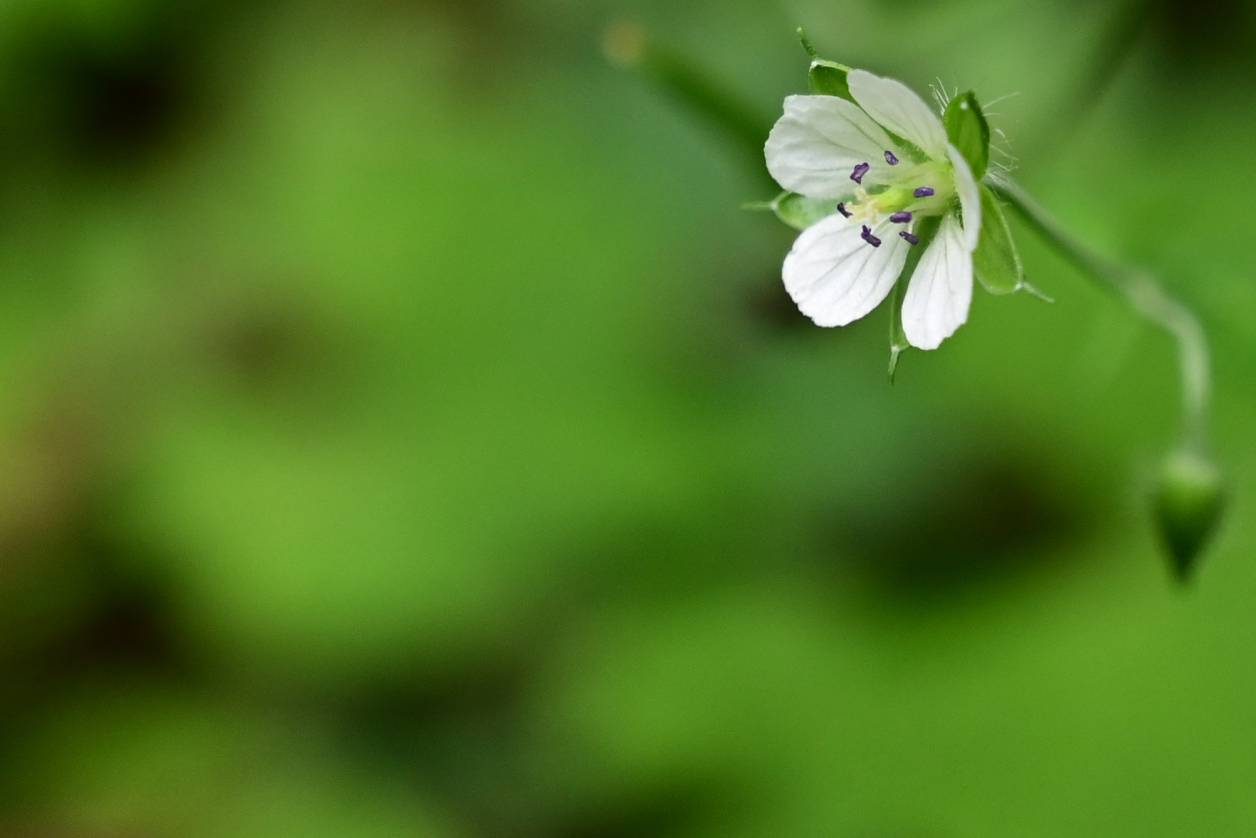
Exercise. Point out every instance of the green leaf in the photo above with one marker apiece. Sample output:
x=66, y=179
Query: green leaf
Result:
x=967, y=129
x=828, y=78
x=996, y=260
x=799, y=212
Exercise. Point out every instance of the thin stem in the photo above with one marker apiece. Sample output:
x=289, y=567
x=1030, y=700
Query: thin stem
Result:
x=1144, y=295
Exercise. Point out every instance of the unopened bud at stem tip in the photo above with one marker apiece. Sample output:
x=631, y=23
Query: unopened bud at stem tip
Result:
x=1188, y=505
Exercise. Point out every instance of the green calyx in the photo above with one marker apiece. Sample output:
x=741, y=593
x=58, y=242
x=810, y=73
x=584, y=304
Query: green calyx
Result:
x=827, y=78
x=996, y=262
x=800, y=212
x=968, y=131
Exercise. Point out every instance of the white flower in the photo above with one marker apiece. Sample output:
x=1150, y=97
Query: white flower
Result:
x=888, y=161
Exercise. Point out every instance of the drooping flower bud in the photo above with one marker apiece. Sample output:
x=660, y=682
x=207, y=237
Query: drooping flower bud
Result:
x=1189, y=502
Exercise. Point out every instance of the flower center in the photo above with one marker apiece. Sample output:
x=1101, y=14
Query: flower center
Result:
x=903, y=193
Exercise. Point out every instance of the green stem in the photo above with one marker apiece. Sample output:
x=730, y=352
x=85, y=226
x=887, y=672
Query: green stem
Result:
x=1144, y=295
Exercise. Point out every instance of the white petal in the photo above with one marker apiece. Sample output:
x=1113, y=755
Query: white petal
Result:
x=969, y=198
x=819, y=141
x=897, y=107
x=941, y=289
x=836, y=277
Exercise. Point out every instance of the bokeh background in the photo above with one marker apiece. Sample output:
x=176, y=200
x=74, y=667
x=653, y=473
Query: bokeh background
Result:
x=403, y=432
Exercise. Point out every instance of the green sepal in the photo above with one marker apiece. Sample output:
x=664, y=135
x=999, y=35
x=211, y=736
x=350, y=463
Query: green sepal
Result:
x=828, y=78
x=996, y=261
x=925, y=232
x=800, y=212
x=1189, y=503
x=898, y=338
x=968, y=131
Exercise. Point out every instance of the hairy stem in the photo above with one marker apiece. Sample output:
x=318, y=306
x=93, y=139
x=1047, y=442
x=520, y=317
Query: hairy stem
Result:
x=1144, y=295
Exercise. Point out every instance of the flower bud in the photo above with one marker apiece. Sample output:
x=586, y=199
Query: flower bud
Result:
x=1189, y=503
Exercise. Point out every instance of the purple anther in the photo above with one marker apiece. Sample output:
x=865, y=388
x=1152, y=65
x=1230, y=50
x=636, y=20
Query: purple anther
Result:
x=858, y=175
x=842, y=209
x=869, y=238
x=924, y=192
x=890, y=158
x=901, y=217
x=910, y=238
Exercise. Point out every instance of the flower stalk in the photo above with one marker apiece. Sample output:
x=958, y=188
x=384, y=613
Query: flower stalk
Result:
x=1144, y=295
x=1190, y=497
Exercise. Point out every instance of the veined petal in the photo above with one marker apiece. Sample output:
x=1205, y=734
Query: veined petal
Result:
x=969, y=198
x=941, y=289
x=819, y=141
x=897, y=107
x=836, y=277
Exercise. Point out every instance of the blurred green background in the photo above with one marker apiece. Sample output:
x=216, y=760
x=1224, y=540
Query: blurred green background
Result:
x=403, y=432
